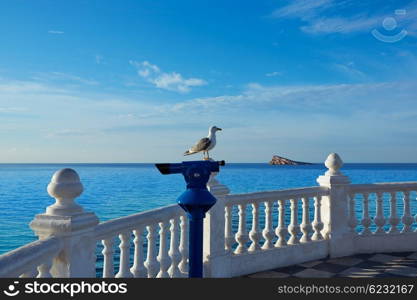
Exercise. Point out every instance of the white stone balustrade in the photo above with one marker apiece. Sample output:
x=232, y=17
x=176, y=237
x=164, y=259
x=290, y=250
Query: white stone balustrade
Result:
x=243, y=233
x=392, y=190
x=162, y=259
x=281, y=244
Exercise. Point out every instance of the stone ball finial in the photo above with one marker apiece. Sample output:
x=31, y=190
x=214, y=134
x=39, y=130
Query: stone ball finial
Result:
x=65, y=186
x=333, y=163
x=66, y=175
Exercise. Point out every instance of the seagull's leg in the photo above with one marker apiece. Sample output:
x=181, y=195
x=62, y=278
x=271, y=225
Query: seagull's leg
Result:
x=208, y=156
x=204, y=156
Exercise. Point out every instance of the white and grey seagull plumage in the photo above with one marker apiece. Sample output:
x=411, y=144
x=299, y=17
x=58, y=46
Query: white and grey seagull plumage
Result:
x=205, y=144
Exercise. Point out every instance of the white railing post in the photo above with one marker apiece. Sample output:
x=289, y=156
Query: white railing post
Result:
x=335, y=208
x=68, y=220
x=216, y=258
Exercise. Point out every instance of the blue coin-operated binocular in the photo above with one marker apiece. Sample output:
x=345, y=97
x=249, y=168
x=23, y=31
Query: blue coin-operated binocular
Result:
x=196, y=201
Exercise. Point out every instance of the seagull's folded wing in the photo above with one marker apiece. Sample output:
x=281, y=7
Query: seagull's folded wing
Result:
x=201, y=145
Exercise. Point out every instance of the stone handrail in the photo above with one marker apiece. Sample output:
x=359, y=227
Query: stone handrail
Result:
x=113, y=227
x=247, y=198
x=383, y=187
x=33, y=259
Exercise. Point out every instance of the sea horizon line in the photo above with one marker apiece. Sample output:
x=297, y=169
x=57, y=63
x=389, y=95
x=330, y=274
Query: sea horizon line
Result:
x=132, y=163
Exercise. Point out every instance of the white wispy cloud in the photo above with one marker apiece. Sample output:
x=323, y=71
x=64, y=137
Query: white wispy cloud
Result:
x=324, y=17
x=302, y=8
x=169, y=81
x=60, y=76
x=350, y=70
x=272, y=74
x=7, y=110
x=21, y=87
x=315, y=98
x=358, y=23
x=56, y=32
x=67, y=133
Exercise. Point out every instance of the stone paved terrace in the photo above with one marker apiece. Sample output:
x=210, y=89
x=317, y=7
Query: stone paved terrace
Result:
x=399, y=264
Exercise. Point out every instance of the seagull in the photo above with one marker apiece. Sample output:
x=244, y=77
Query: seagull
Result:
x=205, y=144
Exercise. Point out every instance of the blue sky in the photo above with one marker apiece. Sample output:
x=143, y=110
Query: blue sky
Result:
x=141, y=81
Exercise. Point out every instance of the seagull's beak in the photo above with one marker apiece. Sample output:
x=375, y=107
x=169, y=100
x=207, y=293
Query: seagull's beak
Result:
x=219, y=128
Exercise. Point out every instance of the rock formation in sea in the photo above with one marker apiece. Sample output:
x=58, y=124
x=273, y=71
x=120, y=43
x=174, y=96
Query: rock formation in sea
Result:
x=278, y=160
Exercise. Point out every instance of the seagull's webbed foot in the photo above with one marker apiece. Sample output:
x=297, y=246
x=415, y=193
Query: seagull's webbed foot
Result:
x=204, y=155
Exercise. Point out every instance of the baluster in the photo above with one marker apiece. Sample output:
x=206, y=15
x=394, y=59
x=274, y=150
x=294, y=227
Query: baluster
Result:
x=393, y=218
x=305, y=225
x=45, y=269
x=366, y=220
x=108, y=251
x=293, y=228
x=317, y=223
x=352, y=217
x=184, y=245
x=124, y=271
x=268, y=232
x=415, y=217
x=407, y=219
x=174, y=252
x=255, y=234
x=229, y=237
x=151, y=262
x=281, y=230
x=241, y=235
x=163, y=257
x=379, y=219
x=138, y=269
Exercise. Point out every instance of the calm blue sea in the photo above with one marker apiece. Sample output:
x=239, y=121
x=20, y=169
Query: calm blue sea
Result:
x=114, y=190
